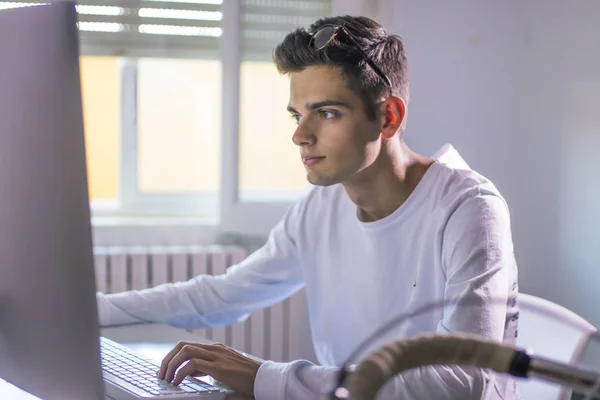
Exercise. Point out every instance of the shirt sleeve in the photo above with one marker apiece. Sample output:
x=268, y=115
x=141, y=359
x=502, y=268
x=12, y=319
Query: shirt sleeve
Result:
x=265, y=277
x=477, y=255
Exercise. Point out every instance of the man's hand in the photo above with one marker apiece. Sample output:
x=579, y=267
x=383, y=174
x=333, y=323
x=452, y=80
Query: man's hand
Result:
x=219, y=361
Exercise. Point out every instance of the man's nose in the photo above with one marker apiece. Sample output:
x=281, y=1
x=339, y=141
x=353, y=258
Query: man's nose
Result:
x=304, y=135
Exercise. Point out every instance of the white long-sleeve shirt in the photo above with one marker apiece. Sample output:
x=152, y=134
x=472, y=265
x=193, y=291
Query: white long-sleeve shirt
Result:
x=449, y=242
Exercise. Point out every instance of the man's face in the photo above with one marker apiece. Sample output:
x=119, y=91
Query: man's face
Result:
x=335, y=137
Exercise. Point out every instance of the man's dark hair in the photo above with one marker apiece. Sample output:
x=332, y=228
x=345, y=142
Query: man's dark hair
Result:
x=294, y=54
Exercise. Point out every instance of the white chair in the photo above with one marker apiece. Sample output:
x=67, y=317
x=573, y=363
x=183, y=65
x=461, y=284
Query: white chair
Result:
x=551, y=331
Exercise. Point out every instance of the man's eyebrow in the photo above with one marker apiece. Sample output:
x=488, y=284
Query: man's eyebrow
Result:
x=324, y=103
x=319, y=104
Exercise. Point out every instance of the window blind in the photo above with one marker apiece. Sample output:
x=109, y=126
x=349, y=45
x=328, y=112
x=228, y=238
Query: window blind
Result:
x=266, y=22
x=184, y=28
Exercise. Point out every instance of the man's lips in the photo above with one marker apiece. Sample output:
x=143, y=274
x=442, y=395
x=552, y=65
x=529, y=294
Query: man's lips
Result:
x=311, y=160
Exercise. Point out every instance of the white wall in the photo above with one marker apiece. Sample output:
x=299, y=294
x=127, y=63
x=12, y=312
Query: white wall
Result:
x=515, y=86
x=559, y=124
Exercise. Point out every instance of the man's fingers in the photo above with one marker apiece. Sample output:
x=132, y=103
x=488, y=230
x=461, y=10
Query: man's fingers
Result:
x=165, y=362
x=192, y=368
x=187, y=352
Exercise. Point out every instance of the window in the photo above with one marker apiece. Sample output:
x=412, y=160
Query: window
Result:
x=269, y=165
x=101, y=95
x=178, y=121
x=179, y=126
x=270, y=169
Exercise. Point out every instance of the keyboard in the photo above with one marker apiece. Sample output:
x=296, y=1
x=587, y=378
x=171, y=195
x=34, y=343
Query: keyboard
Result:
x=136, y=374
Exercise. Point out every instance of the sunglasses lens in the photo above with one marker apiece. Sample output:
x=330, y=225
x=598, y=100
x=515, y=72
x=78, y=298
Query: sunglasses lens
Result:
x=322, y=37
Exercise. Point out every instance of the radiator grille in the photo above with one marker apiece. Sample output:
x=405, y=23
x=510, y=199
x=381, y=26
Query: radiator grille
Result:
x=278, y=333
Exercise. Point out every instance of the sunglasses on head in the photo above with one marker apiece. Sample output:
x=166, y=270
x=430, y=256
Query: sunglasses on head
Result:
x=323, y=36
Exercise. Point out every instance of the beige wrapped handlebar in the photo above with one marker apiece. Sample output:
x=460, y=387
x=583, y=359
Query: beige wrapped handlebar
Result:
x=457, y=349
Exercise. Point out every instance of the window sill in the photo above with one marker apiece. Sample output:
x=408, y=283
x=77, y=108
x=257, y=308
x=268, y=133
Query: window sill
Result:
x=153, y=231
x=151, y=220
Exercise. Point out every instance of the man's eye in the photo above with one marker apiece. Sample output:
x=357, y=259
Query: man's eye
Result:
x=327, y=114
x=296, y=118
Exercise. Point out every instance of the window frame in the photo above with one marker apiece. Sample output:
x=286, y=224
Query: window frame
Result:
x=131, y=202
x=142, y=218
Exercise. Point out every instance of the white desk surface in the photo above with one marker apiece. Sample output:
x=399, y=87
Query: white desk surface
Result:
x=151, y=340
x=10, y=392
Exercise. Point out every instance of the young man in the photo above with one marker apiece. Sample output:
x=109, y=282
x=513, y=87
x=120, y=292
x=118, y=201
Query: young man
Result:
x=384, y=232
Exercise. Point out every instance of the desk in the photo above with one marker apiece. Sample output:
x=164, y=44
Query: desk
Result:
x=8, y=391
x=152, y=340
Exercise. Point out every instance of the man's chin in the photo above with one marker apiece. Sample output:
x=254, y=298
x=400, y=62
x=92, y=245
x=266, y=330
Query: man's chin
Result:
x=321, y=180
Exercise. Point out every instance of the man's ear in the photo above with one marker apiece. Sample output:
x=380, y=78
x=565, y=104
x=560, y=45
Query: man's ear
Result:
x=394, y=114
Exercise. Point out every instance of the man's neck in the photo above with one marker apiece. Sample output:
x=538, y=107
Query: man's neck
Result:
x=387, y=184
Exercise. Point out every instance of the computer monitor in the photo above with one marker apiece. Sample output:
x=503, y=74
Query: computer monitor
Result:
x=48, y=321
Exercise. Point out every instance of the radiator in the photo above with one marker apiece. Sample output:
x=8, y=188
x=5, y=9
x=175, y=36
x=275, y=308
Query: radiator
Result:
x=278, y=333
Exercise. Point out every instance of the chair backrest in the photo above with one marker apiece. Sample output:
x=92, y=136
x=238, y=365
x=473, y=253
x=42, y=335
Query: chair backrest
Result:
x=551, y=331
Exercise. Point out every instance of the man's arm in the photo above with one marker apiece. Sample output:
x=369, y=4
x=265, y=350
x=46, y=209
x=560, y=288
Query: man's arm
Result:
x=480, y=298
x=267, y=276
